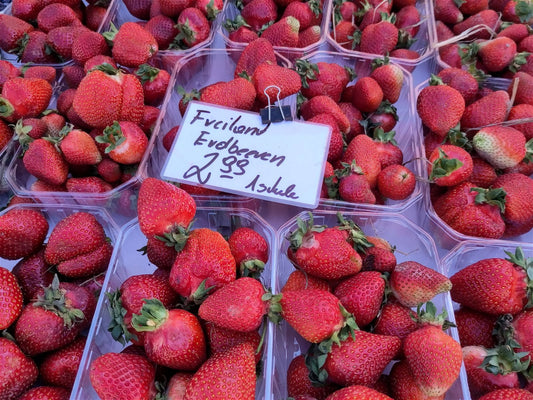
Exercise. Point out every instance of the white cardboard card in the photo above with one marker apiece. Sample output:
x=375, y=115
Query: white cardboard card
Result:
x=232, y=151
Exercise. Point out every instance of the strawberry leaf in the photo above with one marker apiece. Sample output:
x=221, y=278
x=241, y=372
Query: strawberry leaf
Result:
x=307, y=71
x=495, y=197
x=519, y=60
x=503, y=360
x=153, y=315
x=118, y=329
x=147, y=73
x=233, y=24
x=444, y=166
x=524, y=11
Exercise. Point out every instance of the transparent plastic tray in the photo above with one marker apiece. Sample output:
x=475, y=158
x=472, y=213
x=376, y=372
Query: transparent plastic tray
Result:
x=412, y=244
x=127, y=261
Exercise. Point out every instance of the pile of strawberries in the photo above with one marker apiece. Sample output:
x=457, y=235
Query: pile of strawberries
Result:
x=376, y=27
x=479, y=153
x=353, y=304
x=486, y=37
x=206, y=287
x=284, y=23
x=495, y=323
x=47, y=299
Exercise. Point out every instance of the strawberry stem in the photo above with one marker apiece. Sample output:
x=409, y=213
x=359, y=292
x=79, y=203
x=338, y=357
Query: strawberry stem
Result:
x=153, y=315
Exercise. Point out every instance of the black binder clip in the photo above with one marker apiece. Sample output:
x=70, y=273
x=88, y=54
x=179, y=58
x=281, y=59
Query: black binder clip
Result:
x=275, y=113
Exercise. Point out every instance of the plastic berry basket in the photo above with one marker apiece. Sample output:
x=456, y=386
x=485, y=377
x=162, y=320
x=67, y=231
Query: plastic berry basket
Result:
x=412, y=244
x=127, y=261
x=423, y=39
x=206, y=66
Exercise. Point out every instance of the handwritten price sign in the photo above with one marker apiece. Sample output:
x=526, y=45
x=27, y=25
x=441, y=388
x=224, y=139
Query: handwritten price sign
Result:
x=231, y=150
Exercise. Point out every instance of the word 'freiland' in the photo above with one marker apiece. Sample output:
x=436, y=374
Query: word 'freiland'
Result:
x=230, y=125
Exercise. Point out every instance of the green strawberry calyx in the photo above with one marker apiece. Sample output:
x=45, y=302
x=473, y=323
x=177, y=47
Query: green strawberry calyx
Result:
x=519, y=259
x=434, y=80
x=153, y=314
x=233, y=24
x=305, y=229
x=495, y=197
x=6, y=108
x=252, y=268
x=22, y=133
x=358, y=239
x=502, y=360
x=118, y=329
x=524, y=10
x=176, y=237
x=109, y=35
x=112, y=136
x=307, y=71
x=274, y=306
x=429, y=316
x=444, y=166
x=53, y=299
x=147, y=73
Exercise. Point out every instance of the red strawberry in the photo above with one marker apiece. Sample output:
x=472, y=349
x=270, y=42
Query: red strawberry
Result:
x=242, y=34
x=87, y=184
x=309, y=36
x=257, y=52
x=360, y=393
x=522, y=111
x=497, y=54
x=60, y=367
x=87, y=45
x=132, y=45
x=249, y=249
x=361, y=360
x=287, y=82
x=193, y=27
x=155, y=82
x=55, y=15
x=323, y=252
x=488, y=17
x=343, y=33
x=390, y=79
x=307, y=13
x=501, y=146
x=518, y=214
x=314, y=313
x=283, y=33
x=475, y=328
x=450, y=165
x=508, y=394
x=379, y=38
x=259, y=12
x=354, y=186
x=336, y=142
x=186, y=353
x=162, y=207
x=403, y=384
x=22, y=232
x=113, y=373
x=7, y=71
x=32, y=49
x=299, y=280
x=522, y=325
x=396, y=182
x=413, y=283
x=163, y=29
x=222, y=339
x=367, y=94
x=325, y=104
x=483, y=174
x=379, y=257
x=461, y=80
x=56, y=170
x=159, y=253
x=19, y=372
x=472, y=211
x=490, y=109
x=363, y=150
x=299, y=384
x=205, y=263
x=24, y=97
x=396, y=320
x=524, y=88
x=236, y=365
x=177, y=385
x=434, y=358
x=79, y=148
x=239, y=305
x=354, y=116
x=32, y=274
x=11, y=298
x=238, y=93
x=500, y=289
x=323, y=78
x=210, y=8
x=46, y=393
x=12, y=29
x=126, y=142
x=440, y=108
x=408, y=20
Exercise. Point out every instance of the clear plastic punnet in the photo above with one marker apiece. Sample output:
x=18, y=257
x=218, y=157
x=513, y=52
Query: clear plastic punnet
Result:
x=127, y=261
x=412, y=244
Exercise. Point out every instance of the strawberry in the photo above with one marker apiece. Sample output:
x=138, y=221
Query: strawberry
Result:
x=193, y=28
x=239, y=305
x=205, y=263
x=360, y=359
x=325, y=104
x=323, y=251
x=471, y=7
x=358, y=392
x=461, y=80
x=236, y=365
x=60, y=367
x=12, y=30
x=22, y=232
x=210, y=8
x=19, y=372
x=163, y=208
x=283, y=33
x=344, y=33
x=524, y=88
x=242, y=34
x=367, y=94
x=483, y=174
x=132, y=44
x=258, y=13
x=518, y=214
x=501, y=289
x=474, y=328
x=287, y=82
x=163, y=29
x=221, y=339
x=408, y=21
x=396, y=182
x=24, y=97
x=353, y=185
x=403, y=384
x=46, y=393
x=109, y=170
x=41, y=71
x=490, y=109
x=238, y=93
x=87, y=184
x=78, y=147
x=501, y=146
x=396, y=319
x=389, y=77
x=379, y=38
x=507, y=394
x=57, y=168
x=307, y=13
x=55, y=15
x=299, y=384
x=323, y=78
x=257, y=52
x=158, y=323
x=522, y=324
x=385, y=118
x=434, y=358
x=32, y=49
x=336, y=142
x=491, y=369
x=113, y=373
x=379, y=257
x=94, y=16
x=522, y=111
x=450, y=165
x=440, y=107
x=362, y=295
x=299, y=280
x=315, y=314
x=413, y=283
x=177, y=385
x=363, y=150
x=354, y=116
x=126, y=142
x=497, y=54
x=86, y=45
x=488, y=17
x=159, y=253
x=249, y=249
x=7, y=71
x=11, y=298
x=155, y=82
x=32, y=273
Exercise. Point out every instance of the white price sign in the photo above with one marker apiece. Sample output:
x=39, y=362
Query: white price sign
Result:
x=231, y=150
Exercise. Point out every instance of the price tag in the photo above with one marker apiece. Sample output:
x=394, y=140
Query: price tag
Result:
x=232, y=151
